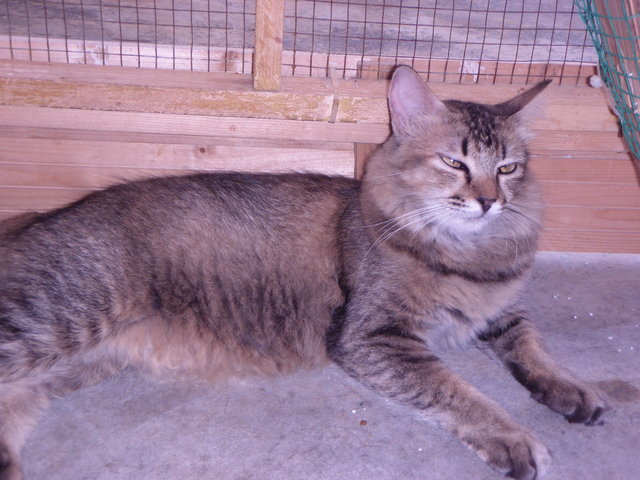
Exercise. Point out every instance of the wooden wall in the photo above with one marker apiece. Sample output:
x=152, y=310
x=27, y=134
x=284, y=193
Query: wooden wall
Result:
x=68, y=129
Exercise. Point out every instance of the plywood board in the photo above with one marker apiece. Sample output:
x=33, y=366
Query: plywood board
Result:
x=201, y=156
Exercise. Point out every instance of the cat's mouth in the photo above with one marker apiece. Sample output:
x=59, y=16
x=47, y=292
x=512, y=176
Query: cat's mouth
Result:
x=482, y=209
x=467, y=217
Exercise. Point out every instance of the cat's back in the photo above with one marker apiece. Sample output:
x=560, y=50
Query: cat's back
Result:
x=176, y=210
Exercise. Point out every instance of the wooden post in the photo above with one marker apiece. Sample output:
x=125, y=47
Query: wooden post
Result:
x=362, y=151
x=267, y=58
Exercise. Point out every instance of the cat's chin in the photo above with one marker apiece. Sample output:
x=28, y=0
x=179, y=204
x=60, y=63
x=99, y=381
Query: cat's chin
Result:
x=467, y=224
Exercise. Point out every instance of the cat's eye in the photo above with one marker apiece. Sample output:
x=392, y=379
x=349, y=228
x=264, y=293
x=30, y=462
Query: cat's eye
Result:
x=453, y=163
x=508, y=168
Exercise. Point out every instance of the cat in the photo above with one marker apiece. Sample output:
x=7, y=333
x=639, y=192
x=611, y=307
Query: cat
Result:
x=234, y=274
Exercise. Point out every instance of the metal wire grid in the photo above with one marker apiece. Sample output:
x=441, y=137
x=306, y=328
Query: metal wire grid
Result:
x=209, y=35
x=615, y=29
x=509, y=41
x=512, y=41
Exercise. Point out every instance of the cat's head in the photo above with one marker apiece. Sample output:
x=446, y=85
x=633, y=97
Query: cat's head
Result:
x=452, y=166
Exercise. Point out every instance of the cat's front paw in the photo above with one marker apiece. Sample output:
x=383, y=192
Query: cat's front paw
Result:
x=577, y=401
x=514, y=453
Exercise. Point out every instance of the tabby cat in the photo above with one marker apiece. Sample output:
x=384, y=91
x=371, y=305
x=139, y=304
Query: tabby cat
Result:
x=230, y=274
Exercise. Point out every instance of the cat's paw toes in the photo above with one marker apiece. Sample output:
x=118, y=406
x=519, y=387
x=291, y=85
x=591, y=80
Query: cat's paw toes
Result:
x=515, y=454
x=578, y=402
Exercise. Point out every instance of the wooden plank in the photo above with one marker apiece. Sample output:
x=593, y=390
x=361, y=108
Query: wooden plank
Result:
x=229, y=103
x=290, y=84
x=593, y=219
x=312, y=144
x=575, y=142
x=194, y=125
x=261, y=128
x=117, y=75
x=38, y=199
x=91, y=176
x=362, y=152
x=137, y=98
x=561, y=154
x=591, y=195
x=75, y=177
x=202, y=156
x=590, y=241
x=269, y=34
x=575, y=117
x=191, y=125
x=620, y=170
x=14, y=132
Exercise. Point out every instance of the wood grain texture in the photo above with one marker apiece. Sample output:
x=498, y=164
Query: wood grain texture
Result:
x=612, y=170
x=269, y=34
x=205, y=155
x=372, y=88
x=226, y=101
x=591, y=194
x=567, y=240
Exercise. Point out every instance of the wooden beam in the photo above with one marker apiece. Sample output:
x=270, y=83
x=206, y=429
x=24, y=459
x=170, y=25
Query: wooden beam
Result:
x=32, y=161
x=269, y=34
x=362, y=101
x=176, y=124
x=570, y=240
x=79, y=73
x=253, y=104
x=22, y=134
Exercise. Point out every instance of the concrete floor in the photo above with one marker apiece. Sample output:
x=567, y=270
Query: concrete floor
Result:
x=320, y=425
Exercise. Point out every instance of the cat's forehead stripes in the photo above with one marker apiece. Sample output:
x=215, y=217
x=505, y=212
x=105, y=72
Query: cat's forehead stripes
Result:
x=482, y=127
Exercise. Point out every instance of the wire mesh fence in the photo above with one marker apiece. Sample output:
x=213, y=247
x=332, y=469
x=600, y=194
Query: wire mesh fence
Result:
x=177, y=34
x=498, y=41
x=615, y=29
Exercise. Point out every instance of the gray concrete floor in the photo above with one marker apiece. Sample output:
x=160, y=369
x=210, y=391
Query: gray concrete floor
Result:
x=321, y=425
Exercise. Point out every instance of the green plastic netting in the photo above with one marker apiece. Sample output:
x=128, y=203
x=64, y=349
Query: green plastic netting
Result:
x=614, y=26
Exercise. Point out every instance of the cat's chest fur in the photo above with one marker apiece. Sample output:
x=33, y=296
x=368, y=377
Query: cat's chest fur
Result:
x=449, y=309
x=463, y=308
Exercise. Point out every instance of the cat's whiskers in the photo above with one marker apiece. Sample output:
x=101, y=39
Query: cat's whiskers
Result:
x=405, y=221
x=518, y=209
x=395, y=219
x=541, y=231
x=515, y=230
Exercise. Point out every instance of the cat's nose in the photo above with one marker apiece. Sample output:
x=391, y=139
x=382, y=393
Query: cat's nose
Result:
x=485, y=203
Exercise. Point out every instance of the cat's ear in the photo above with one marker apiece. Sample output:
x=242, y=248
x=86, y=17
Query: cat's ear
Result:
x=409, y=99
x=517, y=103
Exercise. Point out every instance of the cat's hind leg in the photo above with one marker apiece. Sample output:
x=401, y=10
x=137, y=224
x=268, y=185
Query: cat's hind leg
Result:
x=22, y=400
x=514, y=339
